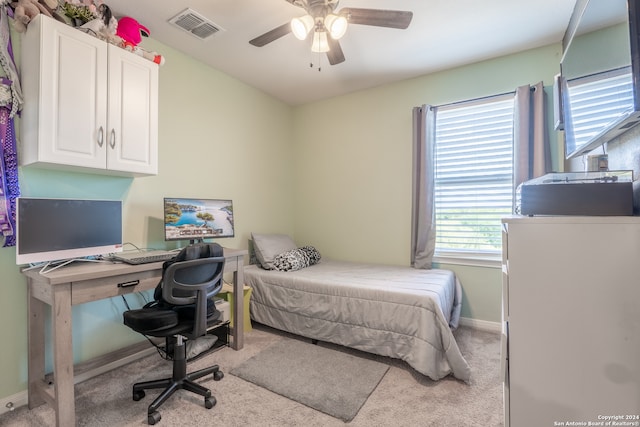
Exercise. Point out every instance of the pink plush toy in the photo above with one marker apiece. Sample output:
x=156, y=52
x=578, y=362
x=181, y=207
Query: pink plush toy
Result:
x=131, y=31
x=151, y=56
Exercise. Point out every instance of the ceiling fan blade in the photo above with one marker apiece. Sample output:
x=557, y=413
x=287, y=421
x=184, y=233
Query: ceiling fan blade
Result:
x=377, y=17
x=335, y=54
x=272, y=35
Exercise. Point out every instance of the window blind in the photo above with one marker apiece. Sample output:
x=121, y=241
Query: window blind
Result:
x=473, y=175
x=598, y=100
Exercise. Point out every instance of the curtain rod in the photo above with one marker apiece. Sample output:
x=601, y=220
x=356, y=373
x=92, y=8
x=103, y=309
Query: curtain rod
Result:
x=482, y=98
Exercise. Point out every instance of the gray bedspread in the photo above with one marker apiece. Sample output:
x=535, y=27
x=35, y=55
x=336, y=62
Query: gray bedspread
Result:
x=393, y=311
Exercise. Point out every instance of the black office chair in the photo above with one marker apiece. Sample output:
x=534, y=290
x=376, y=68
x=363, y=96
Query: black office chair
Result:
x=184, y=308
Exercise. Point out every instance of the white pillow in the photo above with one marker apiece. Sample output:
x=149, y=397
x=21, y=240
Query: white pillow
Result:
x=268, y=246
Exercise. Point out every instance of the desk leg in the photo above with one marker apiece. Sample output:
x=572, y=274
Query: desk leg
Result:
x=238, y=305
x=35, y=337
x=63, y=356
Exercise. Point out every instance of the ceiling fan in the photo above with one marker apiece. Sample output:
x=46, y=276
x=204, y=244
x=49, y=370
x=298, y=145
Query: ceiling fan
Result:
x=328, y=26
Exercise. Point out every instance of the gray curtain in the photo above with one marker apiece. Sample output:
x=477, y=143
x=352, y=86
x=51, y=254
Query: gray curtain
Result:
x=532, y=155
x=423, y=226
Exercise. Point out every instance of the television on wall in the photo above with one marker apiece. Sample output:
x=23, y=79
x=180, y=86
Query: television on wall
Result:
x=197, y=219
x=61, y=229
x=600, y=73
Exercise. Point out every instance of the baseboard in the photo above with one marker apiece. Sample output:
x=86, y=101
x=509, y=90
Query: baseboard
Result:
x=482, y=325
x=107, y=362
x=14, y=401
x=87, y=370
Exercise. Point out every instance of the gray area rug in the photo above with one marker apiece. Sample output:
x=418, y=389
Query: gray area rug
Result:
x=327, y=380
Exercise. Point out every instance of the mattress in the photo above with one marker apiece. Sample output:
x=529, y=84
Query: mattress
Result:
x=400, y=312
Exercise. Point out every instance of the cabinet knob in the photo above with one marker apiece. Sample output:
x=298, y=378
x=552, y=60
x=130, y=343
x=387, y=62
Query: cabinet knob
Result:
x=112, y=140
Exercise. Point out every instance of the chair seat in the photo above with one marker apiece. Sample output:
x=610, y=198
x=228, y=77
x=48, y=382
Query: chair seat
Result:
x=163, y=322
x=147, y=321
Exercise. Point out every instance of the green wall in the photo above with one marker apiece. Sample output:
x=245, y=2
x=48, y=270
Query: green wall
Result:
x=353, y=167
x=335, y=174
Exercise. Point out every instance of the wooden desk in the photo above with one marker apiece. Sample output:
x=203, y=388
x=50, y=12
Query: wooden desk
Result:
x=80, y=283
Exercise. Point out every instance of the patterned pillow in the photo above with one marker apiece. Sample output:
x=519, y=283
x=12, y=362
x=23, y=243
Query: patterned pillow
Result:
x=296, y=259
x=312, y=253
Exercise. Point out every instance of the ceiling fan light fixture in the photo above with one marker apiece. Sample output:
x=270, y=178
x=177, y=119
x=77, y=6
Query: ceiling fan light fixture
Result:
x=320, y=43
x=300, y=27
x=336, y=25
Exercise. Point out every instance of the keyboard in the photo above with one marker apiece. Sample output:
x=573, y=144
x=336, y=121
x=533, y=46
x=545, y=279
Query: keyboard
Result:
x=144, y=257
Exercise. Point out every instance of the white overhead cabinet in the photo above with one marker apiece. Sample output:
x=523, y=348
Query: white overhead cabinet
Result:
x=89, y=105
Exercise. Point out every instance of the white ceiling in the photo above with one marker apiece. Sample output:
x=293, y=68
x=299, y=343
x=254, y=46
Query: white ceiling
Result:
x=442, y=35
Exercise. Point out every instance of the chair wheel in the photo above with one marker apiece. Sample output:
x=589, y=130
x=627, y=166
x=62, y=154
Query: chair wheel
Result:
x=153, y=418
x=210, y=402
x=218, y=375
x=137, y=395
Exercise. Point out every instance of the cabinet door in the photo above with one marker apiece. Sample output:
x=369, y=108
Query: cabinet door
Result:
x=73, y=97
x=133, y=113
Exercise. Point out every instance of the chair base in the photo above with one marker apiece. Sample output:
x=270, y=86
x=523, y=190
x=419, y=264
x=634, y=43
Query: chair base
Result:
x=180, y=380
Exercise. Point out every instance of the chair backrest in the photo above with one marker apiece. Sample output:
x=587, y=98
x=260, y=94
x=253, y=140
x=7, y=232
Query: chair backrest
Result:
x=193, y=277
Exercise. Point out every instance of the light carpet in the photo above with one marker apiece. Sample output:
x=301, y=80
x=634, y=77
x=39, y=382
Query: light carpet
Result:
x=403, y=397
x=327, y=380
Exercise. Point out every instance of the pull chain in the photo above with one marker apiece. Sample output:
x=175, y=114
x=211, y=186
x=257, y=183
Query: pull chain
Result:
x=319, y=61
x=318, y=52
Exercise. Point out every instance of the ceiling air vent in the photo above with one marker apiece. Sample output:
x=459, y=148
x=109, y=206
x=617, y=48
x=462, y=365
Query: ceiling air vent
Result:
x=194, y=23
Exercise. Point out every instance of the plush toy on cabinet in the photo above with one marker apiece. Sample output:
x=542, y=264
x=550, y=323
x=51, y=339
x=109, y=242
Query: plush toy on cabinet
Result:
x=103, y=26
x=151, y=56
x=91, y=16
x=25, y=10
x=131, y=32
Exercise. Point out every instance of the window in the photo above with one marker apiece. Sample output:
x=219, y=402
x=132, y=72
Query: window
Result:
x=473, y=176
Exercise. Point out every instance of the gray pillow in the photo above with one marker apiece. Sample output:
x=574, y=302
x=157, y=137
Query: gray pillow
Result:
x=268, y=246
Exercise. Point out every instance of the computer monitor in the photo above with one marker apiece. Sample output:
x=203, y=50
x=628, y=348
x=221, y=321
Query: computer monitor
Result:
x=197, y=219
x=60, y=229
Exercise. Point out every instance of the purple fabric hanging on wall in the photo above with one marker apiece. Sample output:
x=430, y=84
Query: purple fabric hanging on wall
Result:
x=9, y=187
x=10, y=104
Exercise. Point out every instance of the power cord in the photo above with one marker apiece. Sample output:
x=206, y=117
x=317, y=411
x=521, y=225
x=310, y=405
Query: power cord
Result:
x=161, y=350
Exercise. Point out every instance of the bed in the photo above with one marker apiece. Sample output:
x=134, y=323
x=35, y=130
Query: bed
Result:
x=394, y=311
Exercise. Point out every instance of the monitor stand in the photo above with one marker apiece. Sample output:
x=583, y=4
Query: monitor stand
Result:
x=50, y=266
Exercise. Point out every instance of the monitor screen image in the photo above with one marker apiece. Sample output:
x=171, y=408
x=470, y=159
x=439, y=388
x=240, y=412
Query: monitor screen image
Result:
x=60, y=229
x=197, y=219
